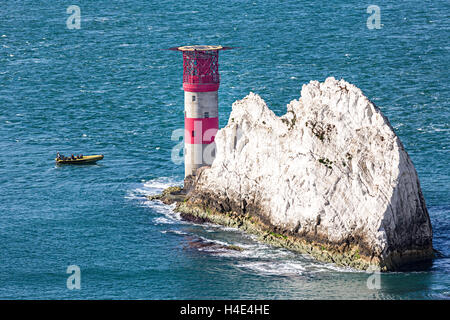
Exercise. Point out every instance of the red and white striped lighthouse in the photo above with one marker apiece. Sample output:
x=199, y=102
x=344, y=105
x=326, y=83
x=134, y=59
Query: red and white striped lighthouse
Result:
x=201, y=108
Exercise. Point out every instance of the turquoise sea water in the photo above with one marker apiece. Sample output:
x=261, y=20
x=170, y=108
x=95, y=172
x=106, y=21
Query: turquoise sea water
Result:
x=108, y=88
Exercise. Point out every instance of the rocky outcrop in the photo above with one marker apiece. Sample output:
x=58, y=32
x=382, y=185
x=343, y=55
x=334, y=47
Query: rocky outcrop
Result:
x=330, y=177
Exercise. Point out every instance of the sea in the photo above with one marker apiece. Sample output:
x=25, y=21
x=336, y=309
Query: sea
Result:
x=93, y=77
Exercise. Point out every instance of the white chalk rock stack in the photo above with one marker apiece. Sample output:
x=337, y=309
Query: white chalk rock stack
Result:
x=331, y=170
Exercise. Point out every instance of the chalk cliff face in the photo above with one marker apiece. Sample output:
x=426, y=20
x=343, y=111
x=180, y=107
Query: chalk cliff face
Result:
x=331, y=171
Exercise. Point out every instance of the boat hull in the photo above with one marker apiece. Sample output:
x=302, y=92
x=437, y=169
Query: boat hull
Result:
x=84, y=160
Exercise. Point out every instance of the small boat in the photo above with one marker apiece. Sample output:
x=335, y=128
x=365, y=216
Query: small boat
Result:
x=83, y=160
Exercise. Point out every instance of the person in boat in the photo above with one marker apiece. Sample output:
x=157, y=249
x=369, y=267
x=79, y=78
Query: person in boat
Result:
x=58, y=156
x=81, y=156
x=73, y=157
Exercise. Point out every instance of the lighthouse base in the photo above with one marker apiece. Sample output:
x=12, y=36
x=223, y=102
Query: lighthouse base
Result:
x=197, y=156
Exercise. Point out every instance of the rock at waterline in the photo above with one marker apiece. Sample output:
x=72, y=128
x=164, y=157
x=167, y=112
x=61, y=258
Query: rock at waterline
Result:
x=330, y=178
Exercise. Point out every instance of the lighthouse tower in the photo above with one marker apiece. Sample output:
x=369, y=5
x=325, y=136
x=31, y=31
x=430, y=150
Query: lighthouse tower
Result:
x=201, y=108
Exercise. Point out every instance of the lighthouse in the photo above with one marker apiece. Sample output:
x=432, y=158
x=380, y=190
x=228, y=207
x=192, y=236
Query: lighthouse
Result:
x=201, y=104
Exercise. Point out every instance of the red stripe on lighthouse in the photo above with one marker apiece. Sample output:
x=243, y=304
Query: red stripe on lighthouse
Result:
x=200, y=130
x=199, y=87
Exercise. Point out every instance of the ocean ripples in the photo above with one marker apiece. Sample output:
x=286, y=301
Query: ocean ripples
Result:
x=108, y=88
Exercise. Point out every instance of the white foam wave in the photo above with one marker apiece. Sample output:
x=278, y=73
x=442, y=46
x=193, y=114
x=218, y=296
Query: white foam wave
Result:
x=152, y=187
x=163, y=220
x=288, y=268
x=177, y=232
x=291, y=267
x=269, y=260
x=168, y=215
x=255, y=256
x=222, y=243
